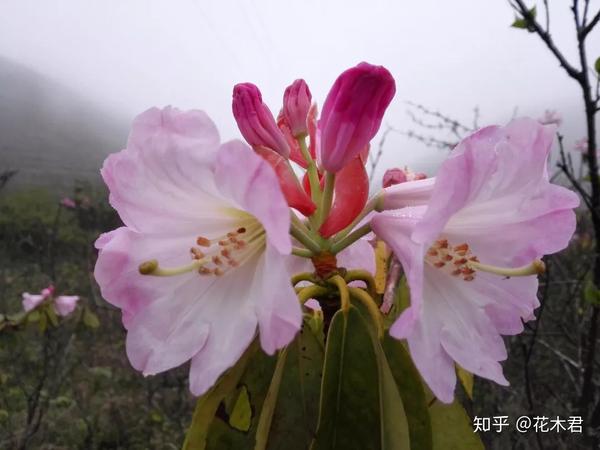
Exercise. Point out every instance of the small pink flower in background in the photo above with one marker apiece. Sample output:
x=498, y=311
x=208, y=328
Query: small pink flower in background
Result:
x=68, y=203
x=65, y=304
x=581, y=145
x=296, y=104
x=491, y=211
x=255, y=120
x=551, y=117
x=32, y=301
x=395, y=176
x=352, y=113
x=208, y=225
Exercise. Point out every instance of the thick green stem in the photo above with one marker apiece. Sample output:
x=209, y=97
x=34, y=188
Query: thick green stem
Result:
x=311, y=292
x=374, y=204
x=302, y=252
x=304, y=239
x=362, y=275
x=327, y=198
x=341, y=244
x=342, y=287
x=311, y=169
x=303, y=276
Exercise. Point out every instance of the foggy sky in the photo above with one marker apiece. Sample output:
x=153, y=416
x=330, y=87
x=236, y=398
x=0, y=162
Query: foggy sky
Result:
x=128, y=55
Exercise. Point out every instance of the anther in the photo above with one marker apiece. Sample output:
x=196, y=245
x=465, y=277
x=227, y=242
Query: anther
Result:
x=204, y=271
x=218, y=261
x=218, y=272
x=461, y=249
x=196, y=253
x=241, y=230
x=147, y=267
x=202, y=241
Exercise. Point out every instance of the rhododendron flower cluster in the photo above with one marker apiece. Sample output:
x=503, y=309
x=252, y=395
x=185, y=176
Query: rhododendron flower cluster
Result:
x=223, y=242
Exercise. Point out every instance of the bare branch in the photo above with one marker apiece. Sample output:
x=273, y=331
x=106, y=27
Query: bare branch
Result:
x=590, y=26
x=545, y=36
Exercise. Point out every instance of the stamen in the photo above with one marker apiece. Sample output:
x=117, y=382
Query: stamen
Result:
x=458, y=261
x=534, y=268
x=152, y=268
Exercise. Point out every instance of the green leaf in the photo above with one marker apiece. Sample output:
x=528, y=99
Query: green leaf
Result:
x=597, y=66
x=295, y=417
x=412, y=392
x=466, y=379
x=268, y=408
x=315, y=323
x=241, y=415
x=43, y=322
x=395, y=433
x=452, y=428
x=49, y=311
x=591, y=294
x=90, y=319
x=256, y=379
x=33, y=316
x=519, y=23
x=349, y=408
x=206, y=406
x=523, y=23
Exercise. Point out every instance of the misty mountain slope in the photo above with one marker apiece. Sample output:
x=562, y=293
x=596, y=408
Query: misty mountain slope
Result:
x=50, y=135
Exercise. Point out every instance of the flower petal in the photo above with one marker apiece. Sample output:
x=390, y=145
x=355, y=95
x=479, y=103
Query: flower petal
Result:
x=176, y=327
x=277, y=307
x=495, y=178
x=31, y=301
x=395, y=228
x=408, y=193
x=65, y=304
x=164, y=179
x=249, y=181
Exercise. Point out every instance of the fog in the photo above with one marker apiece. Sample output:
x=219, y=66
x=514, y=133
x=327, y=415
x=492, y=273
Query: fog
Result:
x=73, y=74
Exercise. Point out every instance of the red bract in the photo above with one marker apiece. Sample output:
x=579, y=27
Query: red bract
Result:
x=295, y=153
x=351, y=193
x=306, y=183
x=295, y=196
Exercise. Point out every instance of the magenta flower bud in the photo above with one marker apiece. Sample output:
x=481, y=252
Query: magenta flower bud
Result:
x=255, y=120
x=352, y=113
x=296, y=103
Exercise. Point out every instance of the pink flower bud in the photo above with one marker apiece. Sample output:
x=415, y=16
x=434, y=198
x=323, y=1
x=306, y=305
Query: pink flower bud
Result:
x=393, y=176
x=352, y=113
x=296, y=103
x=256, y=121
